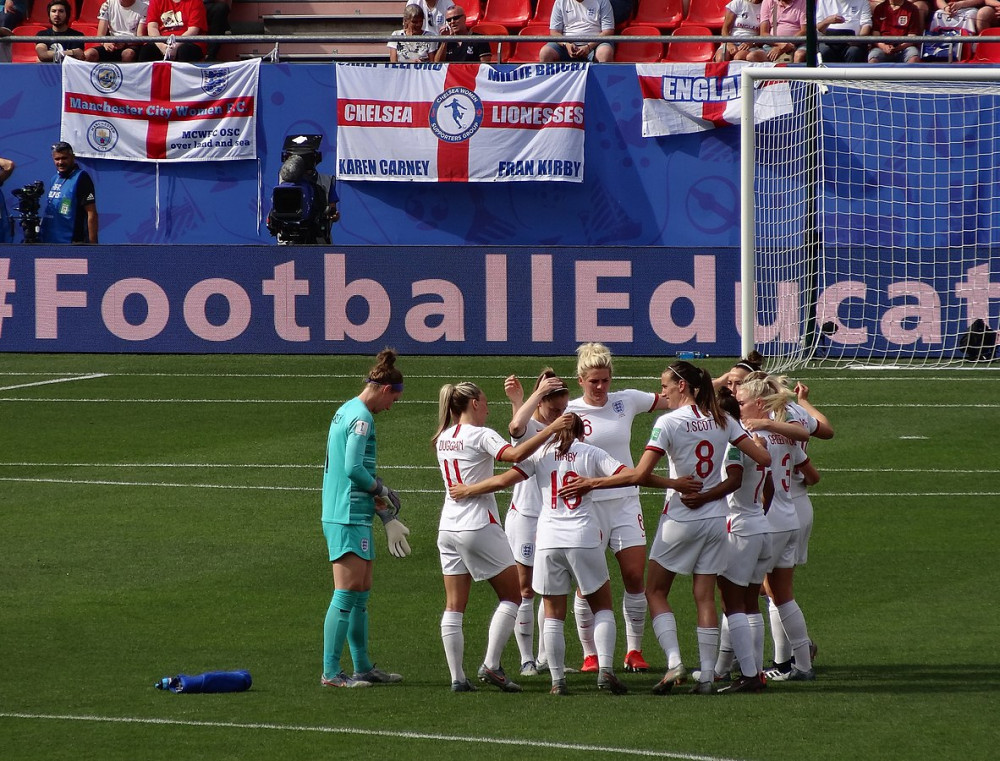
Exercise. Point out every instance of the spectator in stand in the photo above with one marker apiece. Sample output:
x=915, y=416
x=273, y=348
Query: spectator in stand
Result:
x=896, y=18
x=742, y=19
x=981, y=12
x=70, y=211
x=6, y=223
x=781, y=18
x=435, y=21
x=579, y=18
x=217, y=16
x=175, y=18
x=845, y=18
x=462, y=52
x=119, y=18
x=59, y=15
x=417, y=51
x=13, y=13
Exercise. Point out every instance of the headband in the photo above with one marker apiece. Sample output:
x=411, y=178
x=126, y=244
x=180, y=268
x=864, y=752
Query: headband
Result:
x=393, y=386
x=746, y=366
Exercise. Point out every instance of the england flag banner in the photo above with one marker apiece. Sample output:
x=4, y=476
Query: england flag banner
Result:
x=161, y=111
x=678, y=98
x=460, y=122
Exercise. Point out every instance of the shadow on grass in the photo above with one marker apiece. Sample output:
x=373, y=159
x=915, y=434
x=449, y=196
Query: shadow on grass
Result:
x=898, y=678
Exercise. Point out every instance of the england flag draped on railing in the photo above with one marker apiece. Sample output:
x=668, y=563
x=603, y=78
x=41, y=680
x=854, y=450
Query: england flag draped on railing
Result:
x=678, y=98
x=461, y=122
x=161, y=111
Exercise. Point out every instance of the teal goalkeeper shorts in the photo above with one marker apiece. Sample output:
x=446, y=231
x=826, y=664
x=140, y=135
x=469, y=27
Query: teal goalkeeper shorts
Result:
x=342, y=539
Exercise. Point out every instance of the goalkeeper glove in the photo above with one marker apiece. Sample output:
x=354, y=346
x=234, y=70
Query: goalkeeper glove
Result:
x=383, y=491
x=395, y=534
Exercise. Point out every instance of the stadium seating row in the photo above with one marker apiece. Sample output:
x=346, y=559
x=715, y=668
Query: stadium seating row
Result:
x=663, y=14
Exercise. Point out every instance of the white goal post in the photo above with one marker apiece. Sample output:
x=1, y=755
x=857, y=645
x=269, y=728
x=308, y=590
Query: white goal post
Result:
x=870, y=225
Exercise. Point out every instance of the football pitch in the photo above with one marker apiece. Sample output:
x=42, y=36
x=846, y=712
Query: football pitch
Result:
x=160, y=515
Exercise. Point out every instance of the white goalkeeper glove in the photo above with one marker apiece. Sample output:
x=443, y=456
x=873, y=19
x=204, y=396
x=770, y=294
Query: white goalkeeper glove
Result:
x=383, y=491
x=395, y=534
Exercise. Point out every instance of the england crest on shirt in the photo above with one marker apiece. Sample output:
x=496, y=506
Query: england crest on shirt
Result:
x=619, y=407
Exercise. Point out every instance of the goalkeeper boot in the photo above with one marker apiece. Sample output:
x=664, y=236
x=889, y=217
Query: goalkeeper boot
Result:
x=497, y=678
x=343, y=680
x=377, y=676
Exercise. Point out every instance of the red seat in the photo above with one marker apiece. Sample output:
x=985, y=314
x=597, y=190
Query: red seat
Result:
x=543, y=12
x=527, y=52
x=690, y=52
x=988, y=52
x=663, y=14
x=501, y=50
x=88, y=29
x=24, y=52
x=89, y=10
x=639, y=52
x=473, y=11
x=513, y=14
x=710, y=13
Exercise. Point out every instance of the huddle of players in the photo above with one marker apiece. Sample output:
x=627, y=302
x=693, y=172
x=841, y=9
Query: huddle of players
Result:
x=575, y=496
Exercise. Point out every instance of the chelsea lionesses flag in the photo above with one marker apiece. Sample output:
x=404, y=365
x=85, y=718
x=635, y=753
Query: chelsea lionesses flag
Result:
x=460, y=122
x=160, y=111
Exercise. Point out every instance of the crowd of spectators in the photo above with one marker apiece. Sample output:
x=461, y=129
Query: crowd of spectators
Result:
x=754, y=20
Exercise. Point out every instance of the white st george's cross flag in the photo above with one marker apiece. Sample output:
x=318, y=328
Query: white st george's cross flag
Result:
x=160, y=111
x=460, y=122
x=678, y=98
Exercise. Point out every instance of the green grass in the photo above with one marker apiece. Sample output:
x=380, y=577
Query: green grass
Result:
x=116, y=571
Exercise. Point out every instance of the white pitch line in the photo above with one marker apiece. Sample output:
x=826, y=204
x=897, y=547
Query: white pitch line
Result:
x=90, y=482
x=205, y=465
x=370, y=733
x=55, y=380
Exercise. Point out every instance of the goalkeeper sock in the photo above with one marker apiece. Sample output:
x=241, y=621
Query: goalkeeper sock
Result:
x=357, y=633
x=453, y=639
x=501, y=627
x=338, y=617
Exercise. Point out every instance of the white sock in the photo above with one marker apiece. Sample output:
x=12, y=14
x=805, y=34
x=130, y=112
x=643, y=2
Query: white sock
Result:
x=708, y=650
x=794, y=623
x=554, y=637
x=757, y=631
x=634, y=611
x=584, y=625
x=604, y=638
x=665, y=629
x=782, y=651
x=501, y=627
x=742, y=640
x=542, y=651
x=524, y=629
x=724, y=663
x=454, y=643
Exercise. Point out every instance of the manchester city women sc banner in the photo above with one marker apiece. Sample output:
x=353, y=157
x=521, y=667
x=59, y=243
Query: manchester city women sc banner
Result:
x=161, y=111
x=460, y=122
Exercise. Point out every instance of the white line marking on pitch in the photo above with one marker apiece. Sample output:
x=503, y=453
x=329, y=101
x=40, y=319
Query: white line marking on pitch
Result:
x=370, y=733
x=55, y=380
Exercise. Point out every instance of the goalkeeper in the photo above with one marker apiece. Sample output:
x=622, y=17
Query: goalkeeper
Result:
x=352, y=496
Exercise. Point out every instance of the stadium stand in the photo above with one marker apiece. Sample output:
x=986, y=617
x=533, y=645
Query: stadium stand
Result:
x=513, y=14
x=501, y=50
x=639, y=52
x=543, y=12
x=663, y=14
x=988, y=52
x=708, y=13
x=690, y=52
x=527, y=52
x=24, y=52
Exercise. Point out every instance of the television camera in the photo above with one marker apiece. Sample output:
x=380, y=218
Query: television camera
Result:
x=301, y=211
x=28, y=206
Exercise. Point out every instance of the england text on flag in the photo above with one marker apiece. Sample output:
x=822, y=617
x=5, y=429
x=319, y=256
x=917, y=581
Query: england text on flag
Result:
x=678, y=98
x=461, y=122
x=161, y=111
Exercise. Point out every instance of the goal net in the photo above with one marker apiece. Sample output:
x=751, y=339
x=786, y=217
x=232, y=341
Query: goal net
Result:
x=871, y=217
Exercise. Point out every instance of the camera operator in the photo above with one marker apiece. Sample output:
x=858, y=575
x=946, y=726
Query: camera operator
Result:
x=70, y=214
x=6, y=223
